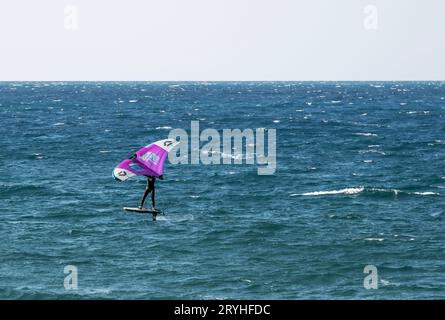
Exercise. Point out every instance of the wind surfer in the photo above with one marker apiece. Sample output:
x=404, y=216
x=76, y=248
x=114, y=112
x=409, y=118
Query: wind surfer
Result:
x=150, y=189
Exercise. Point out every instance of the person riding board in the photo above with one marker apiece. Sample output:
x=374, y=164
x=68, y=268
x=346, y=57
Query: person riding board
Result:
x=149, y=189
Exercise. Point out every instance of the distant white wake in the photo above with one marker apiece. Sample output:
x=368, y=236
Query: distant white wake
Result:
x=357, y=190
x=322, y=193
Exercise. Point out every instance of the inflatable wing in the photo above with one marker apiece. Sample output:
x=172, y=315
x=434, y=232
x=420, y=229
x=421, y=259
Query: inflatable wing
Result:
x=148, y=161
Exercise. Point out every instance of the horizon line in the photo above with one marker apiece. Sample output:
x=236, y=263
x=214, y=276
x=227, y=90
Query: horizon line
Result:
x=413, y=80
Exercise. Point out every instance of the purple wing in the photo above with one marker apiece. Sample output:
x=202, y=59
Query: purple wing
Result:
x=148, y=161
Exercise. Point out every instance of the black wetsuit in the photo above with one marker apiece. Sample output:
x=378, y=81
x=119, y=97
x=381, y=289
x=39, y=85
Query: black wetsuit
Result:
x=150, y=188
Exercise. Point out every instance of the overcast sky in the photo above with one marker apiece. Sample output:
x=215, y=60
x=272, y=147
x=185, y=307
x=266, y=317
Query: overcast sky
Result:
x=222, y=40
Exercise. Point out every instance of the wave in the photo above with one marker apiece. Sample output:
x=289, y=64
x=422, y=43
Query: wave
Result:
x=372, y=151
x=33, y=293
x=427, y=193
x=366, y=191
x=374, y=239
x=322, y=193
x=366, y=134
x=22, y=189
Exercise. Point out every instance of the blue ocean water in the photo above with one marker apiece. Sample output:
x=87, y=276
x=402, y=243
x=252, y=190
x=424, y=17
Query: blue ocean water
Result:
x=360, y=180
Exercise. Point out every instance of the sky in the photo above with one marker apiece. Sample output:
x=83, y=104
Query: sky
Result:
x=211, y=40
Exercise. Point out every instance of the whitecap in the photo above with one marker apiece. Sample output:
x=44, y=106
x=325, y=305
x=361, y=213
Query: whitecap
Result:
x=436, y=214
x=427, y=193
x=59, y=124
x=164, y=128
x=372, y=151
x=384, y=282
x=132, y=101
x=374, y=239
x=331, y=192
x=276, y=121
x=96, y=291
x=395, y=191
x=366, y=134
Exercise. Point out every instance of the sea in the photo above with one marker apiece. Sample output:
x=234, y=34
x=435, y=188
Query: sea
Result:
x=354, y=210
